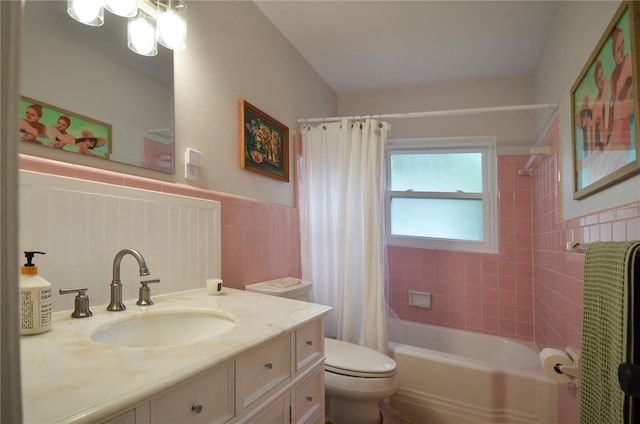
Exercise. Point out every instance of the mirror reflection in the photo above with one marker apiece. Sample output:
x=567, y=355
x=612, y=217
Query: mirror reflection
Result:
x=90, y=94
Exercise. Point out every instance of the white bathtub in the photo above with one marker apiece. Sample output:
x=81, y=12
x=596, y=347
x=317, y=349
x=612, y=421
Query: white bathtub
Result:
x=450, y=376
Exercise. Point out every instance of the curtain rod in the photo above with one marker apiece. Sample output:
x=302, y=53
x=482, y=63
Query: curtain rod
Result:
x=438, y=113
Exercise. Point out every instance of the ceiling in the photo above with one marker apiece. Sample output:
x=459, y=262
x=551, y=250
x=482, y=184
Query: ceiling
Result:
x=367, y=45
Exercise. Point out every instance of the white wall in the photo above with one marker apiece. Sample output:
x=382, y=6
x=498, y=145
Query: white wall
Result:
x=576, y=29
x=236, y=53
x=86, y=223
x=514, y=131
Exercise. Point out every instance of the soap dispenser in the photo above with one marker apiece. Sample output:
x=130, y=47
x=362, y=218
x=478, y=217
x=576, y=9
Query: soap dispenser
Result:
x=35, y=299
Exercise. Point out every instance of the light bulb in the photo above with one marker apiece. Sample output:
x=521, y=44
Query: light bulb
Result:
x=142, y=35
x=172, y=31
x=125, y=8
x=172, y=24
x=89, y=12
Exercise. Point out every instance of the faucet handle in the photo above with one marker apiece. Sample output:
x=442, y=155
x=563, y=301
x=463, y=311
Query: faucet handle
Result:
x=81, y=309
x=144, y=296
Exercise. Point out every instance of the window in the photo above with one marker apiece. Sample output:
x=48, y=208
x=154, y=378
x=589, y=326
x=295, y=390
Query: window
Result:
x=442, y=194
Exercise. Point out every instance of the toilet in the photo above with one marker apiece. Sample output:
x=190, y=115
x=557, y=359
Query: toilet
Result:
x=356, y=377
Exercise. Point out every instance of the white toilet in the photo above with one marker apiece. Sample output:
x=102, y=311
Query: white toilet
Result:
x=356, y=377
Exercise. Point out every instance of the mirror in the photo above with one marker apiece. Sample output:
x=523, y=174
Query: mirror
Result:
x=118, y=104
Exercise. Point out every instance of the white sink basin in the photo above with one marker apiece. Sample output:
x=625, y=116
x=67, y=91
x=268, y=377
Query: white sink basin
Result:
x=163, y=328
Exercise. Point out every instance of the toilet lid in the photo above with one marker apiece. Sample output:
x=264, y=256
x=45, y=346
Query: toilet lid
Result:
x=355, y=360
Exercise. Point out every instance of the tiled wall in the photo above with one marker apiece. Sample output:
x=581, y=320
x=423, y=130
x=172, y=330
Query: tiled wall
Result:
x=558, y=273
x=485, y=293
x=260, y=241
x=531, y=290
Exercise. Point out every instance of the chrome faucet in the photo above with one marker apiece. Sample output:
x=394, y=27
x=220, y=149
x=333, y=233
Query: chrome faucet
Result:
x=116, y=285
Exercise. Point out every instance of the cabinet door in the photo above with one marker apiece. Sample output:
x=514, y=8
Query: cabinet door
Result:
x=261, y=370
x=277, y=413
x=309, y=398
x=207, y=398
x=138, y=415
x=309, y=344
x=128, y=417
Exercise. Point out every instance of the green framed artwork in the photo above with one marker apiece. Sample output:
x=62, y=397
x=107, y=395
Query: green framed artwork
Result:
x=57, y=128
x=604, y=103
x=264, y=143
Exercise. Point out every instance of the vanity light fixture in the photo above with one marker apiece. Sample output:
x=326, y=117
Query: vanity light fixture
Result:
x=150, y=21
x=141, y=34
x=172, y=24
x=88, y=12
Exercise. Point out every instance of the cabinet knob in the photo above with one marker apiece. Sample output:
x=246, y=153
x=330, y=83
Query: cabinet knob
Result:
x=197, y=408
x=268, y=365
x=309, y=342
x=309, y=398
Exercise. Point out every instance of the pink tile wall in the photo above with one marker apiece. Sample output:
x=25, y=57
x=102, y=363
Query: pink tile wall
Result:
x=558, y=273
x=260, y=241
x=485, y=293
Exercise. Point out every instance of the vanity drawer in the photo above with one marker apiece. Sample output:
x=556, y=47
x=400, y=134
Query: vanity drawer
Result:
x=276, y=413
x=309, y=344
x=309, y=398
x=204, y=399
x=261, y=370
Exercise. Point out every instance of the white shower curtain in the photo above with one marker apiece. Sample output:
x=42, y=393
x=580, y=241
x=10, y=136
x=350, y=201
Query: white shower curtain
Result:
x=343, y=226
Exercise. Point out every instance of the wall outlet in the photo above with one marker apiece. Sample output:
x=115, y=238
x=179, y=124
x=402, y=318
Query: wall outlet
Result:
x=191, y=172
x=192, y=159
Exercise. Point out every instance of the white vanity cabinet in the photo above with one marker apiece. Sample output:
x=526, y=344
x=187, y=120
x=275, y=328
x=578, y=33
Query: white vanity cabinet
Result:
x=309, y=398
x=309, y=341
x=138, y=415
x=280, y=381
x=261, y=370
x=207, y=398
x=277, y=412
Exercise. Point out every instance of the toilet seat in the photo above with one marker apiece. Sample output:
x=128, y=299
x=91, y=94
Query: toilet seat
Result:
x=353, y=360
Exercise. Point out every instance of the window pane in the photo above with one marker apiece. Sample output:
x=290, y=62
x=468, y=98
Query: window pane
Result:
x=437, y=172
x=458, y=219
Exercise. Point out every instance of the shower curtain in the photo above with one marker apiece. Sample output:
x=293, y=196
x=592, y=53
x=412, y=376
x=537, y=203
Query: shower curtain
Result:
x=343, y=226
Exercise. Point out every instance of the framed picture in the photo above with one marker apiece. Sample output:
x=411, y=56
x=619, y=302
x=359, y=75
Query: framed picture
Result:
x=58, y=128
x=264, y=143
x=604, y=103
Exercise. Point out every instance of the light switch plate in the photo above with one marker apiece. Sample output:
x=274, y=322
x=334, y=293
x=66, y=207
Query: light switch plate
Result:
x=192, y=156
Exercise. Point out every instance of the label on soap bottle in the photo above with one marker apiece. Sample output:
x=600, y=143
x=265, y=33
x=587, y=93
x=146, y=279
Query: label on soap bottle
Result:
x=35, y=310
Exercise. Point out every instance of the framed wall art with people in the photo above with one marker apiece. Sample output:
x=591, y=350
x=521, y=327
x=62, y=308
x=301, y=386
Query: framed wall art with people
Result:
x=54, y=127
x=604, y=103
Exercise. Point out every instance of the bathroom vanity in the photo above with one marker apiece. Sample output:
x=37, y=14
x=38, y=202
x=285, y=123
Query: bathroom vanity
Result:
x=267, y=368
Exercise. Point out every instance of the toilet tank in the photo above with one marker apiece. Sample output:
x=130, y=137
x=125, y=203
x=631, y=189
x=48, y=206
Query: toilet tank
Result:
x=289, y=287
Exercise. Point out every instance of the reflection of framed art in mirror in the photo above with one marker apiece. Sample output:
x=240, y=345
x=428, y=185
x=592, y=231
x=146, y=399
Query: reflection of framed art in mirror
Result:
x=54, y=127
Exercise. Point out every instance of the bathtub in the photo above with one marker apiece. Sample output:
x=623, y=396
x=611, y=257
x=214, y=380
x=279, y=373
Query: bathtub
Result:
x=449, y=376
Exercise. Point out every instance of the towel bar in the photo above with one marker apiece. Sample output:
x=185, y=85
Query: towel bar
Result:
x=574, y=246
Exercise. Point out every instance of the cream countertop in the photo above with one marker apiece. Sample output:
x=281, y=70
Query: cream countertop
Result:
x=69, y=378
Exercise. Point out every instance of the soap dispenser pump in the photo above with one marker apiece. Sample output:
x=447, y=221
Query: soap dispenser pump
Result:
x=35, y=299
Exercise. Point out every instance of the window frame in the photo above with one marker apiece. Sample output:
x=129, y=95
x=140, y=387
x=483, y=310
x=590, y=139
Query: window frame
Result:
x=489, y=194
